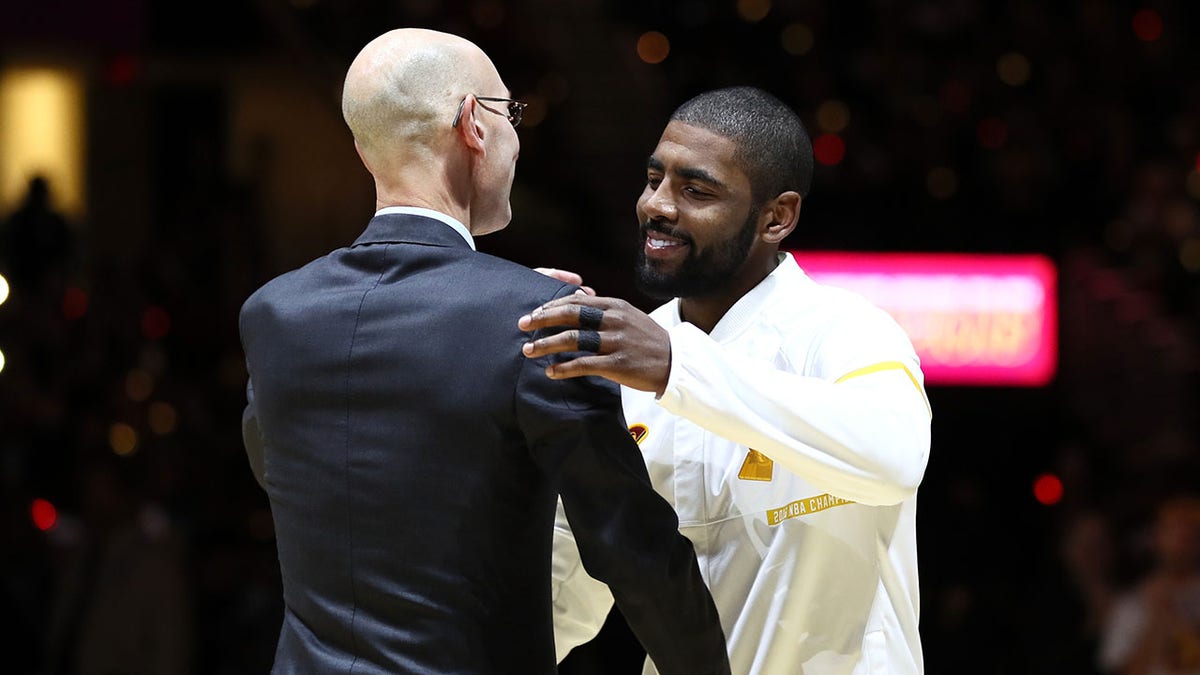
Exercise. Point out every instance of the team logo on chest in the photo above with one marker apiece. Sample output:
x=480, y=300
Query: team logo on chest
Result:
x=756, y=467
x=638, y=431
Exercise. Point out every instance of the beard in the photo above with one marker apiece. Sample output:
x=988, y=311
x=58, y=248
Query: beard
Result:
x=700, y=273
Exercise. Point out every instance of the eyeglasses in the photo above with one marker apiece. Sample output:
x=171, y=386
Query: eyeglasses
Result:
x=515, y=108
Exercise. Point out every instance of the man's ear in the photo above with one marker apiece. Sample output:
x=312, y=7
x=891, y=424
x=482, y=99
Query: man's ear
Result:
x=469, y=129
x=780, y=216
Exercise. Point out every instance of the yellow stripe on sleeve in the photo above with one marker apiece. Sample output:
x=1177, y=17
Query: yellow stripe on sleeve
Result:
x=888, y=365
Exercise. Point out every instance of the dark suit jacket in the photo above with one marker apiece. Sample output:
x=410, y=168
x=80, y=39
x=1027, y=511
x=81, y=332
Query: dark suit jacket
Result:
x=413, y=459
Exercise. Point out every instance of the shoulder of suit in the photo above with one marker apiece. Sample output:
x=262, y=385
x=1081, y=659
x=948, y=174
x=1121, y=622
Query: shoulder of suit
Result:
x=516, y=276
x=281, y=287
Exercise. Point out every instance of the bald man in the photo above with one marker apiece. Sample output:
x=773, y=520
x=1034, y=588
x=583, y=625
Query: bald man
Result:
x=412, y=455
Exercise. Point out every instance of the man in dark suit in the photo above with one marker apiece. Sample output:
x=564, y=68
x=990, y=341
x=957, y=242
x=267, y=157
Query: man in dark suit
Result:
x=413, y=457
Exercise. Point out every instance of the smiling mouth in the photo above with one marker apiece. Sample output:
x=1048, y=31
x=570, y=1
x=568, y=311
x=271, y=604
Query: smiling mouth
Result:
x=658, y=245
x=658, y=241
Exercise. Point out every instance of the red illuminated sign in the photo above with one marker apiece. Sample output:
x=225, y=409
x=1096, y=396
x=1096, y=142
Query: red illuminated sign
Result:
x=974, y=319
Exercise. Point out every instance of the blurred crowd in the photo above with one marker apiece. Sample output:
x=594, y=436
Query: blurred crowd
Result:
x=133, y=538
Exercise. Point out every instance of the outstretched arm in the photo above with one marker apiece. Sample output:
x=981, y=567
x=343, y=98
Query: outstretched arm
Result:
x=859, y=428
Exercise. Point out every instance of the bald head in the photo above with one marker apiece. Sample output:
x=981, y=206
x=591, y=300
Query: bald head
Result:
x=402, y=90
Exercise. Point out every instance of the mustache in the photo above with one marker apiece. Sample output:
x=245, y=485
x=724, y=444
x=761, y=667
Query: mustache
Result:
x=664, y=228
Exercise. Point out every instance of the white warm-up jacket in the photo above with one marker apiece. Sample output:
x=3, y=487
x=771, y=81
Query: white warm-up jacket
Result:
x=791, y=441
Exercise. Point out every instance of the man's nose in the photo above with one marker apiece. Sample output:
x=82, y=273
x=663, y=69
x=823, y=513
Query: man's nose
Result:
x=660, y=204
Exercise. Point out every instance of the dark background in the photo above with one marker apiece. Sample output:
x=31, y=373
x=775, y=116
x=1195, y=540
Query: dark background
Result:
x=217, y=159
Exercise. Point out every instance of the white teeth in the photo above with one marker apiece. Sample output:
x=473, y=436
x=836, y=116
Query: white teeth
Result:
x=660, y=243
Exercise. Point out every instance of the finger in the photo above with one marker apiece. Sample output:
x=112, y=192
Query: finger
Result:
x=563, y=316
x=588, y=340
x=587, y=290
x=562, y=312
x=590, y=317
x=580, y=367
x=566, y=341
x=578, y=298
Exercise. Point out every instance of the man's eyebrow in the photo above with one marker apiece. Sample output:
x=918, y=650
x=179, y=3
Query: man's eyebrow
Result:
x=689, y=173
x=700, y=175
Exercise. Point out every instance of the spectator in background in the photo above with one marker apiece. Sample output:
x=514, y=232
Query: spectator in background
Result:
x=1155, y=628
x=37, y=242
x=1089, y=559
x=1074, y=599
x=122, y=605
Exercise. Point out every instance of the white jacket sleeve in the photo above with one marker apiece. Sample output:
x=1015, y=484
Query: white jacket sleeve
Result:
x=581, y=604
x=861, y=434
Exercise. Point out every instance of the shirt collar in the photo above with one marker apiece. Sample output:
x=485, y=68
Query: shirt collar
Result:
x=430, y=213
x=743, y=312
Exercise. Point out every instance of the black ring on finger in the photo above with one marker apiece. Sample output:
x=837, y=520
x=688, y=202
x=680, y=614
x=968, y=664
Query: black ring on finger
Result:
x=590, y=317
x=588, y=341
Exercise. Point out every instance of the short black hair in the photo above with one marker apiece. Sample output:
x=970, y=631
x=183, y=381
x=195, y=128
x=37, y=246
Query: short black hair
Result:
x=773, y=146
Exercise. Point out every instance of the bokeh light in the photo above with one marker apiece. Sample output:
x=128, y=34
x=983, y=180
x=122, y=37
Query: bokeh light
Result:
x=833, y=116
x=3, y=289
x=122, y=69
x=163, y=418
x=992, y=133
x=1048, y=489
x=955, y=96
x=942, y=182
x=43, y=514
x=1013, y=69
x=42, y=130
x=1, y=361
x=156, y=323
x=797, y=39
x=123, y=439
x=1147, y=25
x=1189, y=254
x=74, y=304
x=653, y=47
x=753, y=11
x=829, y=149
x=138, y=385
